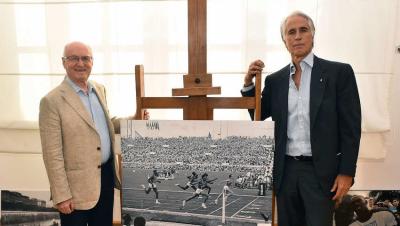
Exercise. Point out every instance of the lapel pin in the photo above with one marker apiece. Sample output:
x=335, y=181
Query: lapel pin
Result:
x=320, y=80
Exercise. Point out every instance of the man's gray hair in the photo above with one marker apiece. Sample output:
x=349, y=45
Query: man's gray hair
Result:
x=297, y=13
x=76, y=42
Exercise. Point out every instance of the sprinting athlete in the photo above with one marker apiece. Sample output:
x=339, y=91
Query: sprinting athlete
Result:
x=206, y=182
x=192, y=181
x=152, y=186
x=202, y=184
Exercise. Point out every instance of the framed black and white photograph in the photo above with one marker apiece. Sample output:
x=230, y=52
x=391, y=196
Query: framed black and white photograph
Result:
x=27, y=208
x=369, y=208
x=197, y=172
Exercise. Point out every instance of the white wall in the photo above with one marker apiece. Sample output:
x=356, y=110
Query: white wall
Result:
x=384, y=174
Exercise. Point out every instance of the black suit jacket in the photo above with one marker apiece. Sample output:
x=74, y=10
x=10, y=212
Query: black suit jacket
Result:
x=335, y=118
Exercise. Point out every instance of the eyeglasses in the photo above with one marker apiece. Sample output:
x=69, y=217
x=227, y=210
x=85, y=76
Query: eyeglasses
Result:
x=75, y=59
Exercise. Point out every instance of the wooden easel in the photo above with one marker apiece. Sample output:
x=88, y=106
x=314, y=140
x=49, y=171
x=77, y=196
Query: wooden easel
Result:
x=197, y=83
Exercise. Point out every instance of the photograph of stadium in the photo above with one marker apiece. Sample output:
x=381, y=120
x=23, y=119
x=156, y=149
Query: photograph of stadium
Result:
x=197, y=172
x=369, y=208
x=27, y=208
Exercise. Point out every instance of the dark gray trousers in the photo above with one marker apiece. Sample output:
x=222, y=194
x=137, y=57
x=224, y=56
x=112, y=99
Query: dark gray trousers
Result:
x=301, y=201
x=102, y=213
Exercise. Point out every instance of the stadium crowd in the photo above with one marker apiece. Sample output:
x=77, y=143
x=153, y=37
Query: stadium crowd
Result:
x=240, y=154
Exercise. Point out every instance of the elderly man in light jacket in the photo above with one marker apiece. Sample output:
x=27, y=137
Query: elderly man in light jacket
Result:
x=77, y=136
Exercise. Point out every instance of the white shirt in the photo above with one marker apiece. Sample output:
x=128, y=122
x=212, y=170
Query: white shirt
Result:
x=298, y=120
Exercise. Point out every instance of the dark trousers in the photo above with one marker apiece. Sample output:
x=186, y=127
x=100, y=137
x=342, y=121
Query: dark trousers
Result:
x=301, y=201
x=102, y=213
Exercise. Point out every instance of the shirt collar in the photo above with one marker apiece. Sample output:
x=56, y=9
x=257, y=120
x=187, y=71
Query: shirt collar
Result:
x=308, y=60
x=76, y=87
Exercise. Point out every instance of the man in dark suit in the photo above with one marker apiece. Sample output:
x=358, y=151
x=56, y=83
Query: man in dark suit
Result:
x=317, y=114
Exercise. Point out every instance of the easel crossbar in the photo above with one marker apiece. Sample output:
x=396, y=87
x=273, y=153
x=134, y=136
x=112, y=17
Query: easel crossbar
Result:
x=212, y=102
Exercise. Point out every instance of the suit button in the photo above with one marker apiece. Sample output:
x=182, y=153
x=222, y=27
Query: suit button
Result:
x=98, y=148
x=99, y=166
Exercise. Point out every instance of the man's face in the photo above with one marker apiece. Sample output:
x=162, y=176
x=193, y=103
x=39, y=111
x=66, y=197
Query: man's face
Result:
x=395, y=202
x=78, y=62
x=298, y=37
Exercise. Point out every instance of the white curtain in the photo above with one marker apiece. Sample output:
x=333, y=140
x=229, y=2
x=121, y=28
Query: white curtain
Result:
x=154, y=33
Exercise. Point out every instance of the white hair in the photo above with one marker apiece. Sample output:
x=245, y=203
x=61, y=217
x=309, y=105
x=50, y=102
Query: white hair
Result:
x=297, y=13
x=74, y=43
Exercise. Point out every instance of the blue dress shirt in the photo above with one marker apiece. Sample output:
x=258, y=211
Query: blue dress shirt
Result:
x=92, y=104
